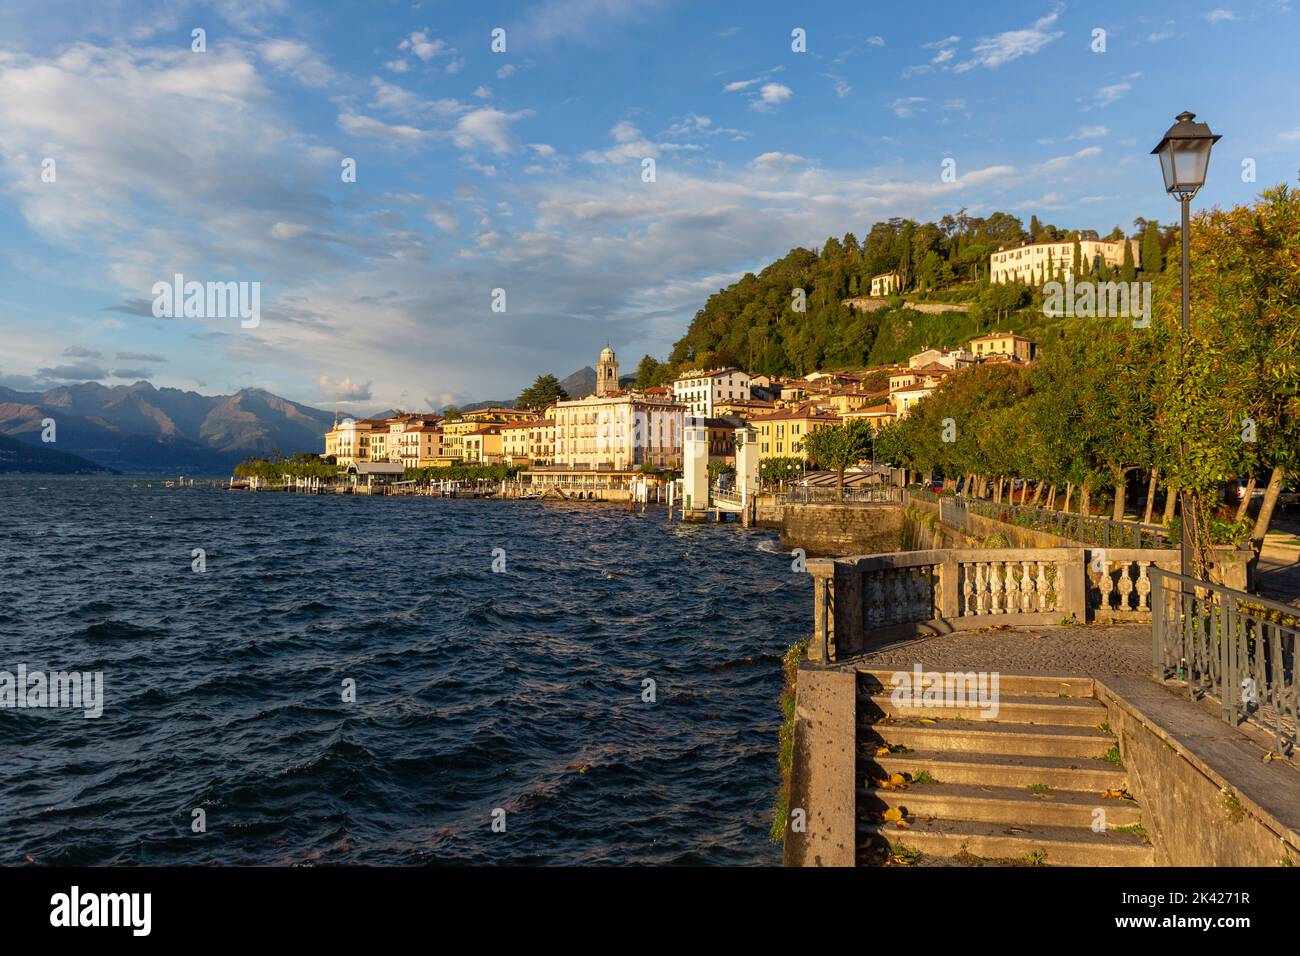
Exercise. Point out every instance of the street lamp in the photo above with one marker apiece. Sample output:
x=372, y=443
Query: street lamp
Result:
x=1184, y=160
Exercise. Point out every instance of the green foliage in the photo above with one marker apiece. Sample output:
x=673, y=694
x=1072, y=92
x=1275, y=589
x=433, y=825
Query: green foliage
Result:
x=785, y=751
x=543, y=392
x=275, y=466
x=651, y=373
x=752, y=323
x=774, y=470
x=465, y=472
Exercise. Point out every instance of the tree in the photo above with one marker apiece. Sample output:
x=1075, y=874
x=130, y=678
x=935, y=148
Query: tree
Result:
x=839, y=446
x=543, y=392
x=451, y=413
x=651, y=373
x=1152, y=256
x=1127, y=271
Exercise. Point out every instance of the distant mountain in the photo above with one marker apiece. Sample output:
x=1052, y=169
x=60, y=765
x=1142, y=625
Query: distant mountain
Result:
x=581, y=383
x=139, y=428
x=20, y=458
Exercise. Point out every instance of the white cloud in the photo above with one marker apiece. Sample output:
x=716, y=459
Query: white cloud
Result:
x=298, y=60
x=1221, y=15
x=905, y=106
x=772, y=94
x=289, y=230
x=993, y=52
x=1090, y=132
x=486, y=127
x=344, y=390
x=773, y=163
x=426, y=49
x=370, y=128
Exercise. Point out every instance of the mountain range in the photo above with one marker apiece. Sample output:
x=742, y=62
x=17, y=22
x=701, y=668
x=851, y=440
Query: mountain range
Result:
x=140, y=428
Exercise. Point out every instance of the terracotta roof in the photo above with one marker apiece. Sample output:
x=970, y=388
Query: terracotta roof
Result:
x=802, y=411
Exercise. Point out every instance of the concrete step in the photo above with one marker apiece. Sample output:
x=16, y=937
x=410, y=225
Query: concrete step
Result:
x=990, y=737
x=879, y=680
x=1051, y=845
x=1085, y=774
x=993, y=804
x=1019, y=709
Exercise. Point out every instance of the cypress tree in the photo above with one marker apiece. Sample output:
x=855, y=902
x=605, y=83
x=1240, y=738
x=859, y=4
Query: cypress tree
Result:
x=1152, y=256
x=1128, y=271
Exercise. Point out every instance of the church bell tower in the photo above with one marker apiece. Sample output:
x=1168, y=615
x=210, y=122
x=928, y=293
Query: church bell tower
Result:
x=606, y=372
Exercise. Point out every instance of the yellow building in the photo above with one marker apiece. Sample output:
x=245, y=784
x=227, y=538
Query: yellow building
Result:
x=1016, y=347
x=885, y=284
x=528, y=442
x=877, y=416
x=349, y=441
x=483, y=445
x=781, y=434
x=1042, y=261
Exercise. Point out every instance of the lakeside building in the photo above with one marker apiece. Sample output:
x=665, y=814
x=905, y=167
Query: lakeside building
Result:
x=700, y=391
x=951, y=358
x=877, y=416
x=781, y=433
x=887, y=283
x=903, y=399
x=1043, y=261
x=606, y=441
x=743, y=408
x=1006, y=345
x=483, y=446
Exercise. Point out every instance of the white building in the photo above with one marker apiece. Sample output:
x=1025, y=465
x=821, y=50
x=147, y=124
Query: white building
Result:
x=700, y=391
x=1043, y=261
x=616, y=433
x=949, y=358
x=886, y=283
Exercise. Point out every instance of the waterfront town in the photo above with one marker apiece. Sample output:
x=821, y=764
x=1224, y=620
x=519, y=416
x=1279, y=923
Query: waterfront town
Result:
x=604, y=441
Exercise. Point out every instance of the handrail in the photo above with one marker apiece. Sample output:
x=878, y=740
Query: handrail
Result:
x=1085, y=529
x=1232, y=646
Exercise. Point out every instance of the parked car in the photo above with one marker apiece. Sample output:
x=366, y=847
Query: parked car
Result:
x=1239, y=488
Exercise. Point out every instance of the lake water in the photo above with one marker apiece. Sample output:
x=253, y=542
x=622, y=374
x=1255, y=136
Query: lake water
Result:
x=475, y=690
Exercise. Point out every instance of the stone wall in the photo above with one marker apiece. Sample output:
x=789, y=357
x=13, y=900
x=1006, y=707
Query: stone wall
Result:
x=1207, y=796
x=837, y=530
x=821, y=829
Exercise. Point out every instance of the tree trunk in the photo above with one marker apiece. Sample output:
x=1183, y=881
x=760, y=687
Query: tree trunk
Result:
x=1171, y=502
x=1266, y=509
x=1085, y=498
x=1121, y=492
x=1151, y=495
x=1245, y=499
x=1069, y=491
x=1051, y=498
x=1038, y=494
x=1024, y=491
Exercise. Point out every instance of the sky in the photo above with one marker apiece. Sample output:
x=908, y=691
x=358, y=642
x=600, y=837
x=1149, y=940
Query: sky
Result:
x=127, y=157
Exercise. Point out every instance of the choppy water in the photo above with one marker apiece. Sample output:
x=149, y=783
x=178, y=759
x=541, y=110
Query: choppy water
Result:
x=475, y=690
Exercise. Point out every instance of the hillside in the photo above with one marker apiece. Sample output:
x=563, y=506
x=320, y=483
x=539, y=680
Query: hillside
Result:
x=19, y=458
x=753, y=323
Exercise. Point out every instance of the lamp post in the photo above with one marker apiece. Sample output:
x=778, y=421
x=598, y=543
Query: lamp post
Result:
x=1184, y=159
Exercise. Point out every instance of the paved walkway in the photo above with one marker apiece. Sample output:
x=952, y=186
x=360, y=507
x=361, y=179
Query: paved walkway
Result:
x=1086, y=651
x=1278, y=571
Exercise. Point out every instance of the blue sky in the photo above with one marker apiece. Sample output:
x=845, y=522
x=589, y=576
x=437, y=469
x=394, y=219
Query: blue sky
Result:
x=522, y=170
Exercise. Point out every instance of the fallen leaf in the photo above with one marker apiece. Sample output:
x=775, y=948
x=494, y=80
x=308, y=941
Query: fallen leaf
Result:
x=893, y=813
x=882, y=751
x=897, y=780
x=1115, y=794
x=902, y=824
x=1272, y=756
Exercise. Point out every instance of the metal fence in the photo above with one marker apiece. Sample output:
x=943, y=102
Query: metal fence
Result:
x=1086, y=529
x=875, y=494
x=1236, y=648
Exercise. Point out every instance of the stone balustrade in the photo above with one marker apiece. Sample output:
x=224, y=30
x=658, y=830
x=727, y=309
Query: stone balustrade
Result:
x=858, y=601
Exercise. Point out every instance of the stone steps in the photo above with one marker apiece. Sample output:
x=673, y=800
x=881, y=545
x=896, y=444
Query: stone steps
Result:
x=1029, y=844
x=1011, y=770
x=989, y=737
x=1000, y=804
x=1020, y=787
x=1019, y=708
x=880, y=680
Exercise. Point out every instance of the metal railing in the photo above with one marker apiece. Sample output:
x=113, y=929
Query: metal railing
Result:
x=1234, y=647
x=1085, y=529
x=874, y=494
